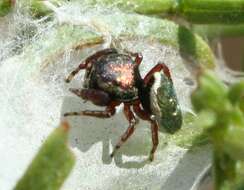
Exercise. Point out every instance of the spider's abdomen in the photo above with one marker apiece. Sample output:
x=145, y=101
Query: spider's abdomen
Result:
x=115, y=74
x=164, y=104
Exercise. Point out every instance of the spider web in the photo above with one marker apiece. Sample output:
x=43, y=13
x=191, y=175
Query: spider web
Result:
x=33, y=99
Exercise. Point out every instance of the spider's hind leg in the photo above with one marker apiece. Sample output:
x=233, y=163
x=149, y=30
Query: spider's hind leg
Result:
x=154, y=130
x=154, y=127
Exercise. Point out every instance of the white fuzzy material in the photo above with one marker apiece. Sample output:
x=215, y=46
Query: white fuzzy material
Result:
x=31, y=107
x=153, y=94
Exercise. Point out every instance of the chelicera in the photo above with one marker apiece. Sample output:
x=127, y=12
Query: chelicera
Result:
x=113, y=78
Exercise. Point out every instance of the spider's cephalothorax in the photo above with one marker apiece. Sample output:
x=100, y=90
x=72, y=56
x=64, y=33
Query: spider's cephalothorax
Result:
x=115, y=74
x=113, y=78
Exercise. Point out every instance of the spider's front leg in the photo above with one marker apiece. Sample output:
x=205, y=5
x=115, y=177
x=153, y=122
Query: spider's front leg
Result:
x=132, y=122
x=138, y=57
x=108, y=112
x=87, y=63
x=157, y=68
x=97, y=97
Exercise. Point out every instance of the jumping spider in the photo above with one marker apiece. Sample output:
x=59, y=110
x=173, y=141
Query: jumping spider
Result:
x=113, y=78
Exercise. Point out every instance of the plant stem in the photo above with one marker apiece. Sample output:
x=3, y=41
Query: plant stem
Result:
x=194, y=11
x=212, y=11
x=147, y=6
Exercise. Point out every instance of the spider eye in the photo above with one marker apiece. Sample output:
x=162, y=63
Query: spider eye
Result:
x=164, y=103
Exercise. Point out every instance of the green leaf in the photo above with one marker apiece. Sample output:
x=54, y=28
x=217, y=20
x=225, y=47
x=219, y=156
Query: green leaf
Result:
x=205, y=119
x=226, y=130
x=210, y=94
x=236, y=94
x=233, y=142
x=37, y=8
x=51, y=165
x=6, y=6
x=212, y=31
